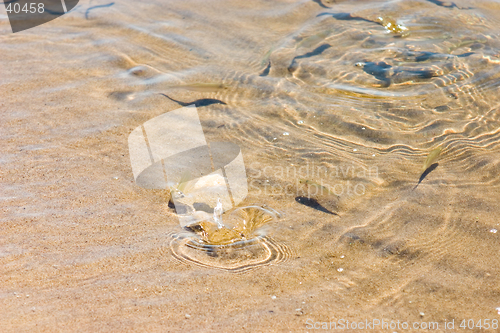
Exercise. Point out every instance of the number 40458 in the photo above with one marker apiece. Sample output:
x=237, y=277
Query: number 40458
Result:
x=27, y=8
x=486, y=324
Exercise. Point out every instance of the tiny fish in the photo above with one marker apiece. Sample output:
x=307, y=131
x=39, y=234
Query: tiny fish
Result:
x=185, y=182
x=431, y=158
x=310, y=41
x=266, y=58
x=392, y=26
x=321, y=189
x=185, y=185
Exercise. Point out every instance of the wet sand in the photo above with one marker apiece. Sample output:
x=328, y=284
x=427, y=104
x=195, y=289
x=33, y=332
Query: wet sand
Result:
x=83, y=248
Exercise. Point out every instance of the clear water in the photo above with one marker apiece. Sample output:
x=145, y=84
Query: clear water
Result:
x=317, y=94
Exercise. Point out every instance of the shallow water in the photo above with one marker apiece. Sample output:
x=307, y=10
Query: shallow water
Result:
x=316, y=90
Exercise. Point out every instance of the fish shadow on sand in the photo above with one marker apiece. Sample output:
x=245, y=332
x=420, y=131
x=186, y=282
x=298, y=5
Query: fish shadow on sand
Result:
x=198, y=103
x=445, y=4
x=388, y=74
x=345, y=17
x=313, y=203
x=425, y=173
x=266, y=70
x=320, y=3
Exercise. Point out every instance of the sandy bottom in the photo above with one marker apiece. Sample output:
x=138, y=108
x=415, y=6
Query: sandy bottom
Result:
x=84, y=248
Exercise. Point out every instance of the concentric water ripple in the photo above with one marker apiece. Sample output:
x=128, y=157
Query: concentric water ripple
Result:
x=235, y=257
x=239, y=245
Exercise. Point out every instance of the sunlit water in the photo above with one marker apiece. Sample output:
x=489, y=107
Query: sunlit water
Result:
x=317, y=94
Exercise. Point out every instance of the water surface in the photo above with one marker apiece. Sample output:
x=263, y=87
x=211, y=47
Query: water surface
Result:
x=317, y=90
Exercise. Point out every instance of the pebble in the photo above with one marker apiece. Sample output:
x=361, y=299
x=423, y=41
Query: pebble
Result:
x=188, y=316
x=286, y=133
x=273, y=297
x=300, y=122
x=493, y=230
x=340, y=269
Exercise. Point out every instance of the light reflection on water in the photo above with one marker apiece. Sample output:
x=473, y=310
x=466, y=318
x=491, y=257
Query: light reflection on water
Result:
x=349, y=93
